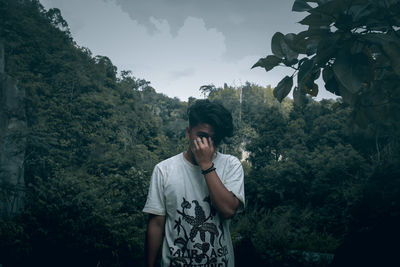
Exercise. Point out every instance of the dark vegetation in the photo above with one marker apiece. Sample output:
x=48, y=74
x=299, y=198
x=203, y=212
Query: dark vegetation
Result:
x=319, y=180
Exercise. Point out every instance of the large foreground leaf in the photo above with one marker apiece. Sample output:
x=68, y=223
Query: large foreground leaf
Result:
x=268, y=63
x=351, y=71
x=301, y=5
x=276, y=44
x=283, y=88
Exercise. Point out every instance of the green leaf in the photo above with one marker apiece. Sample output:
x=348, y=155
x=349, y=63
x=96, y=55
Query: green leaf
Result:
x=351, y=70
x=312, y=90
x=357, y=47
x=311, y=48
x=330, y=82
x=289, y=53
x=281, y=48
x=393, y=53
x=327, y=74
x=299, y=97
x=329, y=8
x=344, y=22
x=346, y=95
x=268, y=63
x=317, y=19
x=300, y=6
x=276, y=44
x=379, y=38
x=304, y=68
x=290, y=62
x=308, y=73
x=298, y=42
x=360, y=11
x=389, y=45
x=295, y=42
x=283, y=88
x=318, y=32
x=320, y=2
x=326, y=49
x=290, y=39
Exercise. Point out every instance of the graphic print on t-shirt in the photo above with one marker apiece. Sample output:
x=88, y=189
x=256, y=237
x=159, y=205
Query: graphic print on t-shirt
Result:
x=199, y=241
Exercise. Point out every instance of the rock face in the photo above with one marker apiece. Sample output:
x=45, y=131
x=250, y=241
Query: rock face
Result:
x=12, y=143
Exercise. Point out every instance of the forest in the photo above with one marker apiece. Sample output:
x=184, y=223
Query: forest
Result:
x=322, y=178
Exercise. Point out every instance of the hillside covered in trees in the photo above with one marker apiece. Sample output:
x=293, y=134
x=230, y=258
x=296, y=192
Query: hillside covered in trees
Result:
x=319, y=187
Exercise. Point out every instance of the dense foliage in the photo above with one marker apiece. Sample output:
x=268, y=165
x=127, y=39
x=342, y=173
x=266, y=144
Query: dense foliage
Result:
x=313, y=178
x=93, y=138
x=295, y=204
x=356, y=45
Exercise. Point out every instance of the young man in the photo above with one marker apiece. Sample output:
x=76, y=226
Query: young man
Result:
x=193, y=195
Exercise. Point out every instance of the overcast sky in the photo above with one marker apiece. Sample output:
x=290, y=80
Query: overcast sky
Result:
x=180, y=45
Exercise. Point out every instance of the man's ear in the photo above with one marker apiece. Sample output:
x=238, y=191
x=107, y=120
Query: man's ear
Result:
x=187, y=132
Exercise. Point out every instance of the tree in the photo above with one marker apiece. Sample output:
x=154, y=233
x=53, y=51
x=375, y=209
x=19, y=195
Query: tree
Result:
x=206, y=90
x=356, y=45
x=304, y=181
x=92, y=141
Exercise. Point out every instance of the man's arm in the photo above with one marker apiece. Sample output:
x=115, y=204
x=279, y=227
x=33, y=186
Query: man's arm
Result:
x=154, y=237
x=224, y=200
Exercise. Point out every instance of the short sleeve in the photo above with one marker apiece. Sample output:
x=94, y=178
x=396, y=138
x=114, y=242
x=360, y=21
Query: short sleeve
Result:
x=155, y=203
x=234, y=180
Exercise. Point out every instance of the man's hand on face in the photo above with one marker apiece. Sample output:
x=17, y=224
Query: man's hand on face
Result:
x=203, y=151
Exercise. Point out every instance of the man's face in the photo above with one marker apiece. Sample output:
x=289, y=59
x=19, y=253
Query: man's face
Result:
x=199, y=131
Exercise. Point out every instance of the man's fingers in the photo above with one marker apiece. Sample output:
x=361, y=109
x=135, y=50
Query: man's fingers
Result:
x=205, y=141
x=196, y=143
x=210, y=142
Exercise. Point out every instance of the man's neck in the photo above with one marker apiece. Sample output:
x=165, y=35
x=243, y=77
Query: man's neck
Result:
x=190, y=157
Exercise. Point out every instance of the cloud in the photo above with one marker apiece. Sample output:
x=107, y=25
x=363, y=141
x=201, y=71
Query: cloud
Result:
x=173, y=63
x=182, y=73
x=245, y=24
x=190, y=44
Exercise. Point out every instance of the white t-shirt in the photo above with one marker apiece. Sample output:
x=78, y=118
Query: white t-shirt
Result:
x=195, y=233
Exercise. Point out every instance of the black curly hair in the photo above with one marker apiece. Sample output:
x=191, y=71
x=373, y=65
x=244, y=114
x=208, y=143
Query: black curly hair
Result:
x=214, y=114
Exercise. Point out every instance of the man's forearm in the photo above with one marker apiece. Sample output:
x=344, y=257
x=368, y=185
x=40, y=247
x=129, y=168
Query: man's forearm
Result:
x=154, y=237
x=224, y=200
